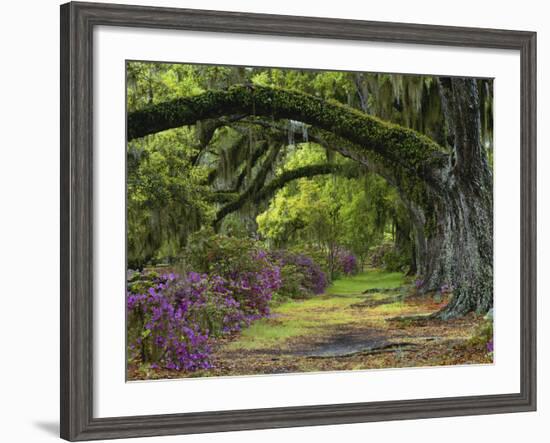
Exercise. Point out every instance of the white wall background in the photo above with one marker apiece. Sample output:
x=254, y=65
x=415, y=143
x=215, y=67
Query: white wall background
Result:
x=29, y=220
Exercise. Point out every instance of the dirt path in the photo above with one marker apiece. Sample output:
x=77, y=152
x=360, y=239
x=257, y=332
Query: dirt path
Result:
x=348, y=329
x=351, y=327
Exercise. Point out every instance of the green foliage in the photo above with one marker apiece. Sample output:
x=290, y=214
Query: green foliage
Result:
x=168, y=194
x=483, y=334
x=301, y=276
x=366, y=280
x=166, y=197
x=238, y=225
x=292, y=277
x=393, y=261
x=219, y=254
x=140, y=282
x=317, y=254
x=325, y=213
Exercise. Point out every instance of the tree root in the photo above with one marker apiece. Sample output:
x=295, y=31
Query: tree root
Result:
x=414, y=319
x=380, y=290
x=386, y=348
x=374, y=303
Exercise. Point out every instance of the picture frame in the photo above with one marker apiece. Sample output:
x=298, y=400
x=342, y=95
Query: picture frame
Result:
x=77, y=213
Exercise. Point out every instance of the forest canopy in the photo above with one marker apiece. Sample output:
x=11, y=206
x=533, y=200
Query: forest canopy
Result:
x=214, y=173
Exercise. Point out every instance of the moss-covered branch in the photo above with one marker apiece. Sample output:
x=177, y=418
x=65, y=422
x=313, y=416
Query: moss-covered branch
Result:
x=252, y=160
x=412, y=150
x=253, y=187
x=258, y=192
x=412, y=188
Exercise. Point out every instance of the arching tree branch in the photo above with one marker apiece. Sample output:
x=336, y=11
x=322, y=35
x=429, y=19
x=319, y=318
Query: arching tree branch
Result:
x=206, y=130
x=413, y=151
x=254, y=186
x=258, y=192
x=410, y=187
x=369, y=160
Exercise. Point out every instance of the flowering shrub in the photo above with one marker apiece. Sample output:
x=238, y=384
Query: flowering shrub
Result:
x=386, y=256
x=315, y=253
x=163, y=325
x=222, y=255
x=376, y=254
x=334, y=263
x=300, y=275
x=247, y=270
x=253, y=288
x=172, y=320
x=346, y=262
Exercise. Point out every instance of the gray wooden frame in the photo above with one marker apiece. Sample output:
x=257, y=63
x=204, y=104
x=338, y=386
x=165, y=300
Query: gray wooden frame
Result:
x=77, y=24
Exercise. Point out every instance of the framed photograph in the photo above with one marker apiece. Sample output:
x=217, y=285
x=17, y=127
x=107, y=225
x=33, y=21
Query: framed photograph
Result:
x=273, y=221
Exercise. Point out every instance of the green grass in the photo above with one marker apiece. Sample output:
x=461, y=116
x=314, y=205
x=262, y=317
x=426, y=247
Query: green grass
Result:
x=265, y=334
x=321, y=302
x=299, y=318
x=366, y=280
x=390, y=308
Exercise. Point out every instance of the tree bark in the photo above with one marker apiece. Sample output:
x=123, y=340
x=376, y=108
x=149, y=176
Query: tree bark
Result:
x=259, y=190
x=459, y=251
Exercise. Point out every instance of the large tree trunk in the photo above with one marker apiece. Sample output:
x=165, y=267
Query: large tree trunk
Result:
x=457, y=245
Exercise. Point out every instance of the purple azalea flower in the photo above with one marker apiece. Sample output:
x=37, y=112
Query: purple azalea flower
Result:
x=166, y=320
